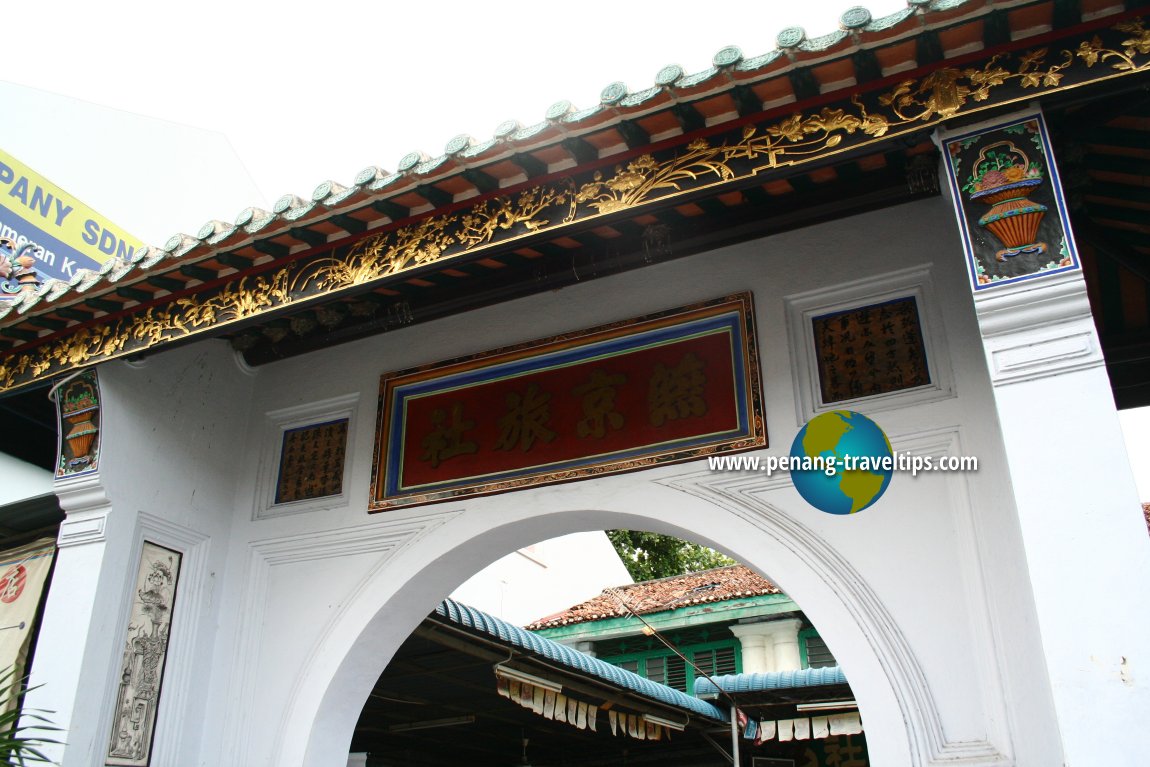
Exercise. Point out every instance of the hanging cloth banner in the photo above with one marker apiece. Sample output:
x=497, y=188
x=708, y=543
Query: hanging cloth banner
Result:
x=23, y=573
x=584, y=716
x=818, y=728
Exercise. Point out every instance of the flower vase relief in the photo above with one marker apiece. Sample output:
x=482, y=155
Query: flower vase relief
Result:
x=1004, y=178
x=78, y=409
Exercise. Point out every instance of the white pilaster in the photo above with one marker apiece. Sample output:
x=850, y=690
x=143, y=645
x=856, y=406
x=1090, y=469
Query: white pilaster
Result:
x=1086, y=545
x=753, y=642
x=786, y=644
x=769, y=645
x=73, y=653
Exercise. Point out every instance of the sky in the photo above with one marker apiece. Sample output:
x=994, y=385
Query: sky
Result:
x=310, y=91
x=305, y=92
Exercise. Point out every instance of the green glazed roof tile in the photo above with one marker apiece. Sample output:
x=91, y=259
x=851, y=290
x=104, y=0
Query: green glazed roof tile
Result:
x=340, y=196
x=295, y=214
x=559, y=110
x=259, y=224
x=478, y=148
x=458, y=144
x=386, y=181
x=55, y=288
x=891, y=20
x=367, y=175
x=613, y=93
x=529, y=131
x=215, y=232
x=322, y=191
x=29, y=300
x=154, y=256
x=728, y=56
x=758, y=62
x=286, y=203
x=582, y=114
x=946, y=5
x=208, y=229
x=822, y=42
x=84, y=279
x=326, y=190
x=179, y=244
x=507, y=129
x=690, y=81
x=410, y=160
x=668, y=75
x=251, y=215
x=790, y=37
x=427, y=167
x=119, y=269
x=639, y=97
x=855, y=18
x=223, y=234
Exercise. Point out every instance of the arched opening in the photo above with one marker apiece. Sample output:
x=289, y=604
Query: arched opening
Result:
x=356, y=650
x=635, y=673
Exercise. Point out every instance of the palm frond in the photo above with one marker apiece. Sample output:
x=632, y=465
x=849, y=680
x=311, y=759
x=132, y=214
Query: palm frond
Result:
x=23, y=731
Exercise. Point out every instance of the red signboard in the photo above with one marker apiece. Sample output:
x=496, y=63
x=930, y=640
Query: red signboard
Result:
x=668, y=387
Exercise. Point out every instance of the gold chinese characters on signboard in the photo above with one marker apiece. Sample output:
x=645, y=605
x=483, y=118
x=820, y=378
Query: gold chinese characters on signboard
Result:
x=870, y=350
x=311, y=462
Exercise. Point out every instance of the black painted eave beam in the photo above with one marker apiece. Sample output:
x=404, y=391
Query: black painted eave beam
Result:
x=349, y=224
x=392, y=210
x=532, y=166
x=303, y=234
x=633, y=134
x=688, y=117
x=273, y=249
x=484, y=182
x=582, y=151
x=435, y=195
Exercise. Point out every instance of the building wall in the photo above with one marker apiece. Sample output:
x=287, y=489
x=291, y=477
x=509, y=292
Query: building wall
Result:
x=925, y=598
x=544, y=578
x=22, y=481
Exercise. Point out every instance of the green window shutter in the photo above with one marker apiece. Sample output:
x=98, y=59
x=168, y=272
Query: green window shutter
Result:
x=676, y=673
x=813, y=651
x=665, y=667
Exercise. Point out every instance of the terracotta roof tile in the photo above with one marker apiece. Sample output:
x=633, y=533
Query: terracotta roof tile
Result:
x=708, y=586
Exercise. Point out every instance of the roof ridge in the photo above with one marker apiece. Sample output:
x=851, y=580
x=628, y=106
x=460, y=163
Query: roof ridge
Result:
x=666, y=578
x=652, y=601
x=289, y=209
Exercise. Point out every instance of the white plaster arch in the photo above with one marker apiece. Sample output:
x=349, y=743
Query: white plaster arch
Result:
x=903, y=725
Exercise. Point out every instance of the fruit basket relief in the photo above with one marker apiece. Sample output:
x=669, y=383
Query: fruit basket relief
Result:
x=1004, y=178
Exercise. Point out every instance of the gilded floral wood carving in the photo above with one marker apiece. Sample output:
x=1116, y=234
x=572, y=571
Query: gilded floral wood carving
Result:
x=648, y=179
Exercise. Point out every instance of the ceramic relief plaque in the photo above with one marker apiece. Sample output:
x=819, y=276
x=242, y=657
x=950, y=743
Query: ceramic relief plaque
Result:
x=145, y=652
x=1009, y=202
x=78, y=417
